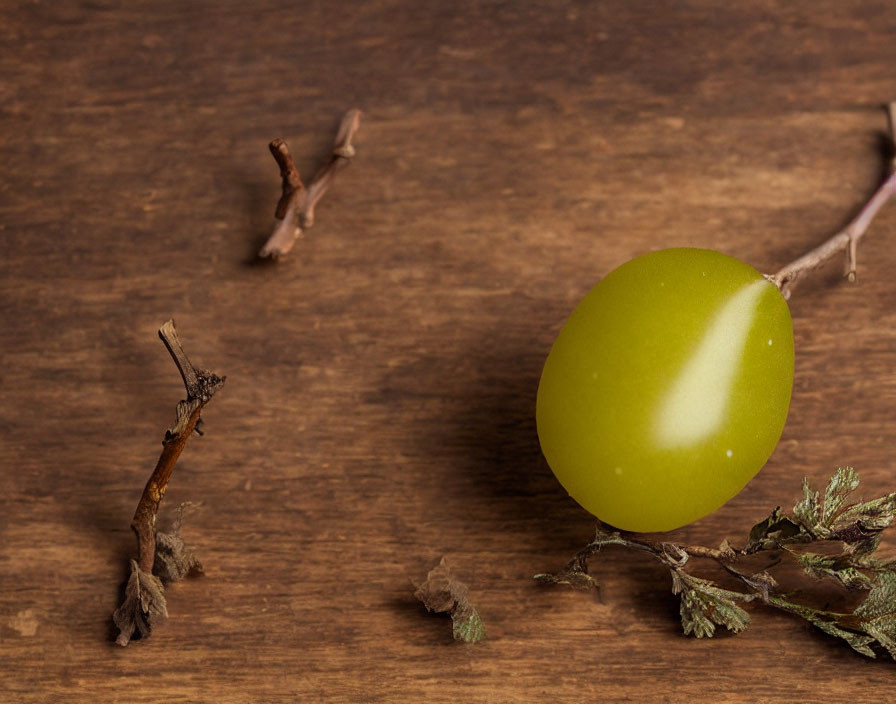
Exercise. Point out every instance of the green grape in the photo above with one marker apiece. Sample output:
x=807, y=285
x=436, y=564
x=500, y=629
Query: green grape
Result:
x=667, y=389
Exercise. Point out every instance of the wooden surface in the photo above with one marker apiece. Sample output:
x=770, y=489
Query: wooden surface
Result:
x=378, y=411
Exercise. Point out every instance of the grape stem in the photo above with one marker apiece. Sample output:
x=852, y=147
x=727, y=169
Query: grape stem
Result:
x=295, y=209
x=848, y=238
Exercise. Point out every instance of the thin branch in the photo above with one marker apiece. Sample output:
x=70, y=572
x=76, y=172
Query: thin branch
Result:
x=144, y=599
x=295, y=209
x=672, y=554
x=848, y=238
x=168, y=333
x=343, y=153
x=201, y=386
x=293, y=188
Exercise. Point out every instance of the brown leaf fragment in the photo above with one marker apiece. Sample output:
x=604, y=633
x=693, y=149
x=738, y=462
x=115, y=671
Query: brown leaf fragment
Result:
x=777, y=528
x=174, y=559
x=441, y=593
x=143, y=607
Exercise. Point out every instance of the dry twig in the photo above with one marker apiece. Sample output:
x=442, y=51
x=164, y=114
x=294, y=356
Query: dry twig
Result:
x=144, y=600
x=848, y=238
x=295, y=210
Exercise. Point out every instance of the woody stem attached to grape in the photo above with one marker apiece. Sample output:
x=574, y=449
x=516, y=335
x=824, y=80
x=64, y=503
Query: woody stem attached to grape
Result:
x=848, y=238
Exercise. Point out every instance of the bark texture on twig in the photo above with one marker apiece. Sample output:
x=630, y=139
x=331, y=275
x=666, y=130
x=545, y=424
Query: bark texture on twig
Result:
x=201, y=386
x=848, y=238
x=144, y=600
x=295, y=209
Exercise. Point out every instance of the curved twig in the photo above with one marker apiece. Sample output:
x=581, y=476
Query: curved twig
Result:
x=201, y=386
x=848, y=238
x=144, y=601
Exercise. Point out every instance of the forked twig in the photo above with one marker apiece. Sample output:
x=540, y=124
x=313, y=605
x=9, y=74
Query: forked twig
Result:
x=144, y=601
x=201, y=386
x=295, y=209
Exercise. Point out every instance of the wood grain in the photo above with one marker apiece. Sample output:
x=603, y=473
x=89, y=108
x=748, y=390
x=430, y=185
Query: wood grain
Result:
x=378, y=412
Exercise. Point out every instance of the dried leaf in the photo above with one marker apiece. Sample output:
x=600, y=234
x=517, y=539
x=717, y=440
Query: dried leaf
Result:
x=467, y=626
x=777, y=528
x=878, y=612
x=808, y=512
x=824, y=621
x=855, y=529
x=834, y=567
x=143, y=606
x=174, y=560
x=443, y=593
x=881, y=600
x=860, y=525
x=703, y=606
x=854, y=524
x=870, y=516
x=840, y=486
